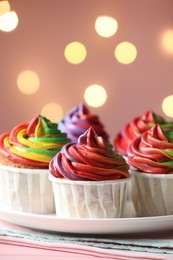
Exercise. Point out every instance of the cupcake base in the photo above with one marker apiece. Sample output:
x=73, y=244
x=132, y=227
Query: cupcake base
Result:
x=26, y=190
x=89, y=199
x=152, y=194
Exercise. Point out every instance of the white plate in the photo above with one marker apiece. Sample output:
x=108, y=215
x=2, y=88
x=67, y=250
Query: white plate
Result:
x=125, y=225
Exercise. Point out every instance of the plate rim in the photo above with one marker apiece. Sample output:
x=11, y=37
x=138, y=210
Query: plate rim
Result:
x=53, y=216
x=123, y=225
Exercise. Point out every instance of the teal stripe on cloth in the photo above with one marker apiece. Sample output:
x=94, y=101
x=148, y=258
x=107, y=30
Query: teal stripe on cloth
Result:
x=151, y=245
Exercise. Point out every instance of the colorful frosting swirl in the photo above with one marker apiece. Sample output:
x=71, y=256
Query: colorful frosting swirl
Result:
x=78, y=120
x=152, y=152
x=33, y=143
x=135, y=128
x=89, y=159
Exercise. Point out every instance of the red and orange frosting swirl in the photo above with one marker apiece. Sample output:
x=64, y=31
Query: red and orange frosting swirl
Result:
x=33, y=143
x=135, y=128
x=78, y=120
x=152, y=152
x=91, y=158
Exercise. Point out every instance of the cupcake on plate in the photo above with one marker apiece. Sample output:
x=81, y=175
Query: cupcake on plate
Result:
x=150, y=157
x=78, y=120
x=135, y=128
x=89, y=179
x=25, y=153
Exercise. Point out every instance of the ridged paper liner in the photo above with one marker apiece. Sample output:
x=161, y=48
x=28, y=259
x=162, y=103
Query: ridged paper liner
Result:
x=26, y=190
x=89, y=199
x=152, y=194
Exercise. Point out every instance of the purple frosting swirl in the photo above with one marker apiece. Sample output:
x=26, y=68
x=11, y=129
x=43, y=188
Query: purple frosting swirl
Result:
x=78, y=120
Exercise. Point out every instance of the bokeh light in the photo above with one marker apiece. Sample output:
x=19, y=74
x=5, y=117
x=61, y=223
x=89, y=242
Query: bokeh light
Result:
x=167, y=106
x=4, y=7
x=53, y=111
x=8, y=21
x=28, y=82
x=106, y=26
x=95, y=95
x=125, y=52
x=75, y=52
x=167, y=41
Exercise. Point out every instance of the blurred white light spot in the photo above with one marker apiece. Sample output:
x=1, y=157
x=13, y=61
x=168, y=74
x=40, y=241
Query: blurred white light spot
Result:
x=125, y=52
x=167, y=41
x=75, y=52
x=167, y=106
x=28, y=82
x=53, y=111
x=95, y=95
x=4, y=7
x=8, y=21
x=106, y=26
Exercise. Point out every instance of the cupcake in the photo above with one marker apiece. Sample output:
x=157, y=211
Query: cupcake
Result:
x=78, y=120
x=89, y=179
x=150, y=157
x=25, y=153
x=134, y=129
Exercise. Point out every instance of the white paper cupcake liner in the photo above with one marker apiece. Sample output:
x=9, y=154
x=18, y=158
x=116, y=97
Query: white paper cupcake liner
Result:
x=89, y=199
x=26, y=190
x=152, y=194
x=129, y=184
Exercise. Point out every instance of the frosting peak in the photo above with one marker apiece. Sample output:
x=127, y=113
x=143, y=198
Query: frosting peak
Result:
x=91, y=139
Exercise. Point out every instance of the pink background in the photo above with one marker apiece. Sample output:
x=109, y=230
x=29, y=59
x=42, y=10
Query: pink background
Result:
x=46, y=27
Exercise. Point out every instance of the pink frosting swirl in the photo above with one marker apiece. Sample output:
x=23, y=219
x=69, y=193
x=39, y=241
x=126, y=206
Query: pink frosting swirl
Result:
x=89, y=159
x=135, y=128
x=152, y=152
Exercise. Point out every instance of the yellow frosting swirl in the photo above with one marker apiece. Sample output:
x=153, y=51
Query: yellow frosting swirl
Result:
x=33, y=143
